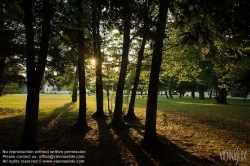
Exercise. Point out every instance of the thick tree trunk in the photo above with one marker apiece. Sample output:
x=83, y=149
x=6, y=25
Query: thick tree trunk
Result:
x=201, y=92
x=193, y=93
x=222, y=98
x=81, y=121
x=74, y=95
x=34, y=76
x=31, y=116
x=98, y=70
x=117, y=120
x=150, y=138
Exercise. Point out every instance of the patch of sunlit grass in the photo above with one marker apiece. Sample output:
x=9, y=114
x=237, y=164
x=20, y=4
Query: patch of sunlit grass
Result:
x=200, y=127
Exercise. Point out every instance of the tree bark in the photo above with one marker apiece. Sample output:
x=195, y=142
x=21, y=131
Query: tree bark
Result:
x=166, y=93
x=74, y=95
x=150, y=138
x=117, y=120
x=180, y=94
x=74, y=92
x=98, y=65
x=201, y=92
x=1, y=89
x=108, y=95
x=193, y=93
x=81, y=122
x=170, y=92
x=34, y=74
x=211, y=93
x=131, y=114
x=222, y=97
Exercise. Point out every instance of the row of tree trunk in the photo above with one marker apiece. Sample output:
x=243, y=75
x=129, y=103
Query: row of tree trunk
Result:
x=36, y=67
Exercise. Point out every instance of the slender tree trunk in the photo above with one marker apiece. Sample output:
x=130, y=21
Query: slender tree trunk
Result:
x=81, y=121
x=98, y=66
x=222, y=98
x=150, y=138
x=74, y=93
x=170, y=92
x=201, y=92
x=117, y=120
x=166, y=93
x=193, y=93
x=211, y=93
x=34, y=76
x=131, y=113
x=108, y=95
x=1, y=89
x=180, y=94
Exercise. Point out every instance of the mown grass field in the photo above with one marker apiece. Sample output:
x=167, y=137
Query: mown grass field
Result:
x=196, y=131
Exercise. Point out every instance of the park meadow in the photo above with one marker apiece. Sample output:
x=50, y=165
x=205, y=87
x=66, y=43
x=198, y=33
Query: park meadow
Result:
x=196, y=132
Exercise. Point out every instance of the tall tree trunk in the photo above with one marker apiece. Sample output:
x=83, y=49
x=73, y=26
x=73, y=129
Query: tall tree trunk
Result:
x=193, y=93
x=2, y=53
x=117, y=120
x=201, y=92
x=222, y=98
x=108, y=96
x=166, y=93
x=74, y=93
x=150, y=137
x=81, y=122
x=131, y=114
x=1, y=89
x=34, y=73
x=170, y=92
x=210, y=94
x=98, y=66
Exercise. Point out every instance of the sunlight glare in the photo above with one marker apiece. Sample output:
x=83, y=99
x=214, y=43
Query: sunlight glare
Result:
x=92, y=61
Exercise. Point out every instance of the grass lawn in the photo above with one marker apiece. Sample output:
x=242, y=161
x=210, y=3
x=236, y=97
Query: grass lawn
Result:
x=195, y=131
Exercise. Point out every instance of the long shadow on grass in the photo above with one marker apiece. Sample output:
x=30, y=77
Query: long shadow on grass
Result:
x=107, y=151
x=55, y=133
x=10, y=132
x=171, y=154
